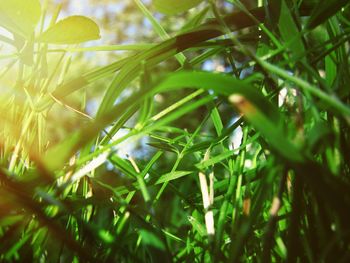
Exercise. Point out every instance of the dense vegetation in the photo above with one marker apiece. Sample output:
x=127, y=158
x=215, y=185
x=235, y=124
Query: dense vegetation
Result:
x=226, y=141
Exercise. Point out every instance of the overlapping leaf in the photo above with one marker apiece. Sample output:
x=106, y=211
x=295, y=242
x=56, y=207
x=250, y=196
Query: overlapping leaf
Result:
x=262, y=114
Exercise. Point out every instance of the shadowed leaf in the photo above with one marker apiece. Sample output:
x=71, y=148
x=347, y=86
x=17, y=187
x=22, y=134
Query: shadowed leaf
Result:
x=324, y=10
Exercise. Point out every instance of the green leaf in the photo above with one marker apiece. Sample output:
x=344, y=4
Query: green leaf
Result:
x=158, y=28
x=20, y=16
x=164, y=146
x=153, y=181
x=290, y=32
x=214, y=160
x=319, y=132
x=255, y=107
x=16, y=247
x=216, y=119
x=151, y=239
x=197, y=225
x=169, y=177
x=60, y=153
x=171, y=7
x=106, y=236
x=273, y=134
x=123, y=166
x=221, y=84
x=10, y=220
x=71, y=30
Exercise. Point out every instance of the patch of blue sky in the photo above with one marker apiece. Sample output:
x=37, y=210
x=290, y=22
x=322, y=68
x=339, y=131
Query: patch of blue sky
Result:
x=146, y=23
x=208, y=65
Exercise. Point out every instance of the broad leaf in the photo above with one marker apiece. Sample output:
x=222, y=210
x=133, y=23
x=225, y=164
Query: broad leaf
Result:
x=71, y=30
x=171, y=7
x=20, y=16
x=222, y=85
x=290, y=32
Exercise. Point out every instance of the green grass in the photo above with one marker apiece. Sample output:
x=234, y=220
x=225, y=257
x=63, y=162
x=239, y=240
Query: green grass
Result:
x=154, y=175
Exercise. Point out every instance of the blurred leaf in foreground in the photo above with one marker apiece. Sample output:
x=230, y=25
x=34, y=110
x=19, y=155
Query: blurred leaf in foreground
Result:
x=20, y=16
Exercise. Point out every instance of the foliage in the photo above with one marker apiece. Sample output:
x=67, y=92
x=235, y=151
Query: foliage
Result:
x=158, y=174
